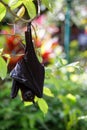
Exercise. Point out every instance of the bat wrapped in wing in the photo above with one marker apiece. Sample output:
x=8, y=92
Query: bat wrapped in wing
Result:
x=28, y=74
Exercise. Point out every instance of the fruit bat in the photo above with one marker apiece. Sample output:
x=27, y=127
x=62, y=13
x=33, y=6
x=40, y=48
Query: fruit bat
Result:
x=28, y=74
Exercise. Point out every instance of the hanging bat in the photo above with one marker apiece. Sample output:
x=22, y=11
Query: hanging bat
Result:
x=28, y=74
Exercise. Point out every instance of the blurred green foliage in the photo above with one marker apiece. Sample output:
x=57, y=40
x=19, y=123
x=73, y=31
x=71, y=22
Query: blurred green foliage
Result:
x=67, y=108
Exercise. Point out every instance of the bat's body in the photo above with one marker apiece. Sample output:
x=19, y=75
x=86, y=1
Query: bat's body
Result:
x=28, y=74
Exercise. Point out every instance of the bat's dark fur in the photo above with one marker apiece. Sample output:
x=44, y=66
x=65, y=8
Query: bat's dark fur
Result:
x=28, y=74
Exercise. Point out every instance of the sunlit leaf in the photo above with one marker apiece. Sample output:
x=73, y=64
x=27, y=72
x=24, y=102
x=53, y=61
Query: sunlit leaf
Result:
x=36, y=99
x=6, y=1
x=30, y=8
x=60, y=62
x=27, y=103
x=74, y=64
x=3, y=68
x=48, y=92
x=43, y=105
x=71, y=97
x=15, y=4
x=12, y=2
x=48, y=4
x=74, y=77
x=82, y=117
x=1, y=50
x=2, y=11
x=7, y=56
x=21, y=12
x=70, y=69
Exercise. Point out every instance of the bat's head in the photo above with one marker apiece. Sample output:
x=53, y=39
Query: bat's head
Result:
x=28, y=96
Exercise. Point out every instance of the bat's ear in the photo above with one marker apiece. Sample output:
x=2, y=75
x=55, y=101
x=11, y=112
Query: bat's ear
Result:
x=15, y=89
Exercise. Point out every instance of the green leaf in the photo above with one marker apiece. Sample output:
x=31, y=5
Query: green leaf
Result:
x=12, y=2
x=2, y=11
x=27, y=103
x=71, y=97
x=1, y=50
x=43, y=105
x=30, y=8
x=15, y=3
x=2, y=41
x=48, y=92
x=48, y=72
x=74, y=64
x=6, y=1
x=48, y=4
x=3, y=68
x=20, y=12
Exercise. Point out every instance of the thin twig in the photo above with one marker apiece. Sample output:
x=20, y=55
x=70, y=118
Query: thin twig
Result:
x=34, y=30
x=38, y=3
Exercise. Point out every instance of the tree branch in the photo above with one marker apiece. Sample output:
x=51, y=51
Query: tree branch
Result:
x=38, y=6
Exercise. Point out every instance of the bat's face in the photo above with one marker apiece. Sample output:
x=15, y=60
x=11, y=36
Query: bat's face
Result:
x=28, y=96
